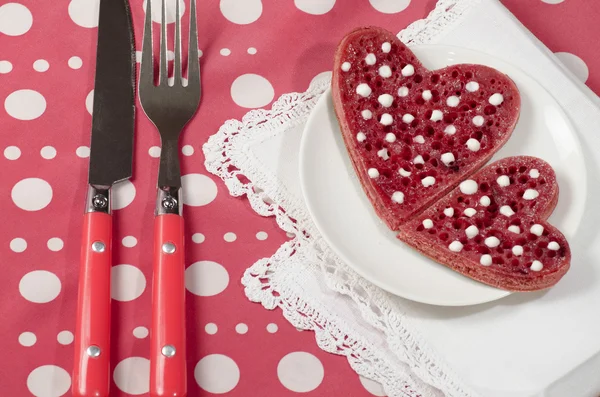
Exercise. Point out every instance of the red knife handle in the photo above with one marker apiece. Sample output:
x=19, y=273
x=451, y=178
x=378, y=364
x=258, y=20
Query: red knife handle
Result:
x=168, y=375
x=92, y=330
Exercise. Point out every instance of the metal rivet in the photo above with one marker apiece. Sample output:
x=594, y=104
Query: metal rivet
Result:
x=98, y=246
x=168, y=351
x=99, y=201
x=168, y=248
x=169, y=203
x=93, y=351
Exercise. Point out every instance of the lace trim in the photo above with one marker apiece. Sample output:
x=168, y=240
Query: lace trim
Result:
x=227, y=156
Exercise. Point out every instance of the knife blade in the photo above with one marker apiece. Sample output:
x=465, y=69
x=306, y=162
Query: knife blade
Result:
x=111, y=155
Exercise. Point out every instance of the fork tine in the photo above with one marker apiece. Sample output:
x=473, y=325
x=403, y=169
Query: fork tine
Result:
x=193, y=61
x=164, y=71
x=177, y=65
x=147, y=63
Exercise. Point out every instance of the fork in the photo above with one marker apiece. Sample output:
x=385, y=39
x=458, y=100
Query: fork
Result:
x=169, y=108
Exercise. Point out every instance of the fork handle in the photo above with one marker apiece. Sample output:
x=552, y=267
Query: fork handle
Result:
x=168, y=375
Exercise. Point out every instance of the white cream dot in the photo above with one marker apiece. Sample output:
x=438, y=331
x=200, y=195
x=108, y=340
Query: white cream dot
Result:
x=41, y=65
x=83, y=152
x=470, y=212
x=486, y=260
x=408, y=70
x=455, y=246
x=241, y=328
x=372, y=387
x=370, y=59
x=123, y=194
x=262, y=236
x=517, y=250
x=252, y=90
x=447, y=158
x=386, y=119
x=65, y=337
x=427, y=223
x=472, y=86
x=386, y=100
x=15, y=19
x=315, y=7
x=385, y=71
x=252, y=51
x=154, y=151
x=514, y=229
x=361, y=137
x=48, y=152
x=129, y=241
x=450, y=130
x=449, y=212
x=534, y=173
x=419, y=139
x=427, y=95
x=471, y=231
x=473, y=144
x=31, y=194
x=367, y=114
x=403, y=172
x=398, y=197
x=140, y=332
x=390, y=137
x=206, y=278
x=211, y=328
x=503, y=181
x=553, y=245
x=346, y=66
x=428, y=181
x=485, y=201
x=531, y=194
x=132, y=375
x=25, y=104
x=478, y=121
x=12, y=152
x=536, y=229
x=225, y=52
x=230, y=237
x=492, y=242
x=272, y=328
x=40, y=286
x=575, y=64
x=300, y=372
x=55, y=244
x=496, y=99
x=198, y=238
x=5, y=67
x=468, y=187
x=419, y=160
x=452, y=101
x=506, y=210
x=373, y=173
x=127, y=283
x=403, y=91
x=386, y=47
x=75, y=63
x=18, y=244
x=437, y=115
x=187, y=150
x=48, y=381
x=536, y=266
x=363, y=90
x=27, y=339
x=217, y=373
x=198, y=190
x=408, y=118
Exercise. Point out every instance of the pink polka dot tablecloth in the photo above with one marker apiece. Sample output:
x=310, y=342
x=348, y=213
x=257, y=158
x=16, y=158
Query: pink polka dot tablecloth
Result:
x=252, y=52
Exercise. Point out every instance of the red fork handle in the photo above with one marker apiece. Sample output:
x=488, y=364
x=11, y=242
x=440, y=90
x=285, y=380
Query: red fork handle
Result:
x=92, y=330
x=168, y=375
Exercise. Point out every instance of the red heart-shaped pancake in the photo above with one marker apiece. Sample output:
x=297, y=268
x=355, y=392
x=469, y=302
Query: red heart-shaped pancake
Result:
x=413, y=134
x=493, y=227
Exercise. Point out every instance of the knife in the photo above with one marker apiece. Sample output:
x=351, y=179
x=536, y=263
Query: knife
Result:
x=111, y=154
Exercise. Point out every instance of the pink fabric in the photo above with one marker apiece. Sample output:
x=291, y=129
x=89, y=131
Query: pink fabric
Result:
x=292, y=47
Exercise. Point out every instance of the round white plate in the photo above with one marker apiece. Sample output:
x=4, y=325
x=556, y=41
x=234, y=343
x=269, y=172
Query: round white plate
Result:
x=347, y=221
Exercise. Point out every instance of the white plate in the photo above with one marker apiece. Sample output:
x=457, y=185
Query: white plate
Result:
x=347, y=221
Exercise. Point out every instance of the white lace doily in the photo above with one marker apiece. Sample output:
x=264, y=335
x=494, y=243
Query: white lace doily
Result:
x=381, y=344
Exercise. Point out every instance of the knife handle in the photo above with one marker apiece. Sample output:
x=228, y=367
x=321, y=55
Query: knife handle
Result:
x=168, y=375
x=92, y=330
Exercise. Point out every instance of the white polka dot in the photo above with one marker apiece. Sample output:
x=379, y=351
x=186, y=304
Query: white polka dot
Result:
x=206, y=278
x=129, y=241
x=127, y=283
x=315, y=7
x=241, y=328
x=15, y=19
x=187, y=150
x=321, y=77
x=84, y=12
x=25, y=104
x=39, y=286
x=140, y=332
x=156, y=10
x=241, y=12
x=217, y=374
x=200, y=53
x=230, y=237
x=390, y=6
x=252, y=91
x=170, y=55
x=123, y=194
x=252, y=51
x=41, y=65
x=48, y=152
x=48, y=381
x=75, y=62
x=272, y=328
x=300, y=372
x=18, y=244
x=27, y=339
x=225, y=52
x=575, y=64
x=262, y=235
x=12, y=152
x=132, y=375
x=552, y=1
x=198, y=190
x=138, y=56
x=211, y=328
x=198, y=238
x=89, y=102
x=372, y=387
x=55, y=244
x=32, y=194
x=83, y=152
x=65, y=337
x=5, y=67
x=154, y=151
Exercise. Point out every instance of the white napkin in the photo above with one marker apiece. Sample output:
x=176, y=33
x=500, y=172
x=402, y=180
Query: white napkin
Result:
x=524, y=345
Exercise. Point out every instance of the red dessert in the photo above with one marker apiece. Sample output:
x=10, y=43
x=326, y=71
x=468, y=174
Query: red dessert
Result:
x=414, y=134
x=493, y=227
